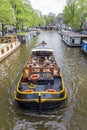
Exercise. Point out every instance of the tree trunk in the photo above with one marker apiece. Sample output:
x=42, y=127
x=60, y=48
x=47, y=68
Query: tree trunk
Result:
x=2, y=29
x=81, y=26
x=22, y=24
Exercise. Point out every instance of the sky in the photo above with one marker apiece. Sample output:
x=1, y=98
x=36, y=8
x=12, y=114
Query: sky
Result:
x=48, y=6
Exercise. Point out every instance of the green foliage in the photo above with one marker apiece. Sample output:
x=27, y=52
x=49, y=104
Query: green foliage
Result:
x=50, y=19
x=6, y=12
x=75, y=13
x=21, y=14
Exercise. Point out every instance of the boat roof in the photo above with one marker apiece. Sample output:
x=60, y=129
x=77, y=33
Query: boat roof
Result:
x=39, y=49
x=8, y=36
x=85, y=41
x=3, y=45
x=74, y=34
x=42, y=47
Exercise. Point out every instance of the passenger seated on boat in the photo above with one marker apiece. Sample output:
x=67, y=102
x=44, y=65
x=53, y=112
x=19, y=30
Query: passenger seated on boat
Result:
x=46, y=61
x=33, y=61
x=54, y=64
x=35, y=65
x=25, y=74
x=51, y=58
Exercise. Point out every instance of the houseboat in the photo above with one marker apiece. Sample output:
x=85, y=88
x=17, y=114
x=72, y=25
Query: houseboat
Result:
x=84, y=45
x=41, y=86
x=8, y=44
x=72, y=38
x=24, y=38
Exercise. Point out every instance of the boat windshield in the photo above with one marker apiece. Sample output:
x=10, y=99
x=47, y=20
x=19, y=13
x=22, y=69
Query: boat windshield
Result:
x=42, y=53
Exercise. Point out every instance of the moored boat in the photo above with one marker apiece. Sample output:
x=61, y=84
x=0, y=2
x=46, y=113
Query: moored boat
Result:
x=84, y=46
x=41, y=86
x=72, y=38
x=8, y=44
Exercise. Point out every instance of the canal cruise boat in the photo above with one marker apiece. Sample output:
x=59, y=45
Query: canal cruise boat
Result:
x=84, y=46
x=8, y=44
x=41, y=86
x=72, y=38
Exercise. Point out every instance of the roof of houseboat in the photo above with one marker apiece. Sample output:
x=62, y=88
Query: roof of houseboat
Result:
x=3, y=45
x=85, y=41
x=73, y=34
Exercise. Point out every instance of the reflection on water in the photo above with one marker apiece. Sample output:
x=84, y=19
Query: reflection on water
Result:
x=73, y=64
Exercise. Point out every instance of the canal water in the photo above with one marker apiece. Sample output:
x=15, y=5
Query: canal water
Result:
x=73, y=65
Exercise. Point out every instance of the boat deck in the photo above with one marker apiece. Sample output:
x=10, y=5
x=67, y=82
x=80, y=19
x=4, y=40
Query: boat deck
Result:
x=55, y=84
x=36, y=88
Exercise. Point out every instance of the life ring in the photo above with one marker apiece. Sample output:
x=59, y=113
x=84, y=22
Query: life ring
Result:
x=34, y=77
x=28, y=90
x=50, y=90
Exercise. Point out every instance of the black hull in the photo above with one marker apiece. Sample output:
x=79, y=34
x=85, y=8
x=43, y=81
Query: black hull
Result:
x=41, y=106
x=26, y=101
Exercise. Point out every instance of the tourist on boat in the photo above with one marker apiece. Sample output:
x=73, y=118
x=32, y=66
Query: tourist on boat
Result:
x=46, y=61
x=25, y=74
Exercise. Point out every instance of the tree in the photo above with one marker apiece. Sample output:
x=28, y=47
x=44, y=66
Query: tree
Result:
x=6, y=14
x=18, y=7
x=50, y=19
x=24, y=13
x=81, y=7
x=75, y=13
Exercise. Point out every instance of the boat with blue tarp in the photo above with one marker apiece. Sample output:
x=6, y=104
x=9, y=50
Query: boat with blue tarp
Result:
x=84, y=45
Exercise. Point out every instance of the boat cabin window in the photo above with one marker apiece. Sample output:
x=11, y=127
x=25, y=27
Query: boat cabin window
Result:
x=42, y=53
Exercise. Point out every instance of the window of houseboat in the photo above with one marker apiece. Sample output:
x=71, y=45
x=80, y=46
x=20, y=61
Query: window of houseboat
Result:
x=77, y=40
x=7, y=48
x=11, y=46
x=73, y=40
x=2, y=51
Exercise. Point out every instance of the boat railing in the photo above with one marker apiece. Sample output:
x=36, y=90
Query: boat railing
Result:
x=54, y=71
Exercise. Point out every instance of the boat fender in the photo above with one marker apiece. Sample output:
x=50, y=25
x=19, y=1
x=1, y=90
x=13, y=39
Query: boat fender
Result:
x=34, y=77
x=28, y=90
x=50, y=90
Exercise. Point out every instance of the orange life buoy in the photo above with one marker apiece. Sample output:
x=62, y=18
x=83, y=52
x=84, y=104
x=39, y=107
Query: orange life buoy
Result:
x=50, y=90
x=34, y=77
x=28, y=90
